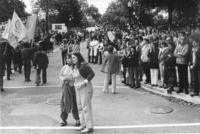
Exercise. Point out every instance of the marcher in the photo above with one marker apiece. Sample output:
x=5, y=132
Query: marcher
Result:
x=2, y=63
x=111, y=66
x=68, y=101
x=27, y=54
x=8, y=59
x=41, y=62
x=83, y=75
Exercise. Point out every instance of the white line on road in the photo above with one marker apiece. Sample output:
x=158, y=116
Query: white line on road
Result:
x=52, y=86
x=110, y=127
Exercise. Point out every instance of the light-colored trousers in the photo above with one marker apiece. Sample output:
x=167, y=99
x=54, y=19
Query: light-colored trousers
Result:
x=106, y=82
x=84, y=97
x=161, y=68
x=154, y=76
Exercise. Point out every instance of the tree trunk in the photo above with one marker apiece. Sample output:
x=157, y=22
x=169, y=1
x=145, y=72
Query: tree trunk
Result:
x=170, y=11
x=47, y=17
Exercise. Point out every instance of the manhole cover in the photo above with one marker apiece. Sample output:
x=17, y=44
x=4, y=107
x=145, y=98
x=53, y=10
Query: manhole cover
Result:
x=53, y=101
x=161, y=110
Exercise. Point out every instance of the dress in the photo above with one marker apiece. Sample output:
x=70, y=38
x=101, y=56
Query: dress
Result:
x=68, y=100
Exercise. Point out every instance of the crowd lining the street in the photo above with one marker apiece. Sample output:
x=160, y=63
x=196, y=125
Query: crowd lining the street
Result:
x=160, y=58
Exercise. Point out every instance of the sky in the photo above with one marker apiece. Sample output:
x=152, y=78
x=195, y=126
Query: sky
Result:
x=100, y=4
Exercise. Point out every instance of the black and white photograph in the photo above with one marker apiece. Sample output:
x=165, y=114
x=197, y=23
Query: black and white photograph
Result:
x=99, y=66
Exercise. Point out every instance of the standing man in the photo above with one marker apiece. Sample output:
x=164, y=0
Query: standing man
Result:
x=41, y=62
x=181, y=53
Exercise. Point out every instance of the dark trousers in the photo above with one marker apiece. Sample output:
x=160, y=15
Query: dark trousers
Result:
x=8, y=66
x=95, y=59
x=27, y=69
x=64, y=115
x=63, y=57
x=124, y=73
x=183, y=77
x=146, y=70
x=1, y=81
x=99, y=57
x=196, y=80
x=44, y=75
x=131, y=76
x=18, y=65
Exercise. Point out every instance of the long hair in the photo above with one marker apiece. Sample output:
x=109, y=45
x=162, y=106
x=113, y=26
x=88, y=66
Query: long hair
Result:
x=79, y=58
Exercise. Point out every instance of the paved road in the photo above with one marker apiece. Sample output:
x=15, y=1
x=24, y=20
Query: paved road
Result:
x=28, y=109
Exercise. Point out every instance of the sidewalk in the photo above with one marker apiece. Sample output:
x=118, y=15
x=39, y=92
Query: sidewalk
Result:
x=163, y=92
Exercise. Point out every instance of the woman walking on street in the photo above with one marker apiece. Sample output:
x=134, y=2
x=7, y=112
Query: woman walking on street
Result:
x=68, y=101
x=83, y=75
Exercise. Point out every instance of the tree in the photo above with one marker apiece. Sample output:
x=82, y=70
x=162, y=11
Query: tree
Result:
x=64, y=11
x=121, y=12
x=185, y=8
x=8, y=6
x=94, y=12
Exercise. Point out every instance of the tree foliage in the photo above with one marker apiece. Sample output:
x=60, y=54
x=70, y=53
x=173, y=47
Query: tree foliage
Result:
x=184, y=9
x=64, y=11
x=93, y=12
x=8, y=6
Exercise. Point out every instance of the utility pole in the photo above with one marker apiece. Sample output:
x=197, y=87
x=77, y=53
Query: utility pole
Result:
x=47, y=16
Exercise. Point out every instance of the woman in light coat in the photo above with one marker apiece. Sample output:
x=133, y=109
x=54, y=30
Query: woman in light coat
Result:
x=83, y=75
x=111, y=66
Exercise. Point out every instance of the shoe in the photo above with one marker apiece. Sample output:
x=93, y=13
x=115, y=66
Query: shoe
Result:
x=77, y=123
x=179, y=91
x=87, y=130
x=37, y=84
x=2, y=90
x=194, y=94
x=8, y=79
x=113, y=92
x=64, y=123
x=186, y=91
x=82, y=128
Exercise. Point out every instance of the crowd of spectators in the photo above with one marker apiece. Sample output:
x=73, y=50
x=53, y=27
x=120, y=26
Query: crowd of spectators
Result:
x=160, y=58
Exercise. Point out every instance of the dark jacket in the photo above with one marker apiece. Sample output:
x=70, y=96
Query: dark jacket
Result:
x=197, y=61
x=154, y=63
x=41, y=59
x=134, y=57
x=86, y=71
x=27, y=53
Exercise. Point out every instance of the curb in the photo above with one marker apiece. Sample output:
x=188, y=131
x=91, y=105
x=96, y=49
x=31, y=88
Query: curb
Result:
x=163, y=92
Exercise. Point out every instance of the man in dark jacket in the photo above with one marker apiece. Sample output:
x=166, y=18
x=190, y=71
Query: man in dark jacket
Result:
x=27, y=54
x=2, y=63
x=41, y=62
x=8, y=58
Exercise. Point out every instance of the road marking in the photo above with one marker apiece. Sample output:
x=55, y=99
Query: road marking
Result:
x=108, y=127
x=52, y=86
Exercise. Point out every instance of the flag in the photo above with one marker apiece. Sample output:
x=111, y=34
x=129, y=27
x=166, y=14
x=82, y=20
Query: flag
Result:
x=30, y=26
x=17, y=28
x=6, y=32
